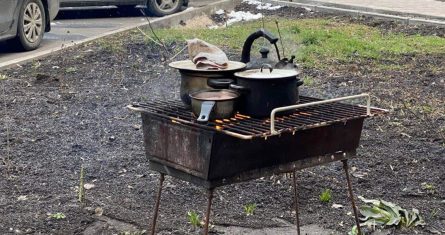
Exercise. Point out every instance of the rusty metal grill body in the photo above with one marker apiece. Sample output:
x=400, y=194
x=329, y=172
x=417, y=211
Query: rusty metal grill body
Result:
x=243, y=148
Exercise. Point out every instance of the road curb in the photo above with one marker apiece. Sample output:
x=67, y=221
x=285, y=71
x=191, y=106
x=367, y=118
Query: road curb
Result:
x=403, y=17
x=164, y=22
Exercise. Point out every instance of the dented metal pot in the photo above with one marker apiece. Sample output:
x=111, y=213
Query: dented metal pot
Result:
x=194, y=79
x=214, y=104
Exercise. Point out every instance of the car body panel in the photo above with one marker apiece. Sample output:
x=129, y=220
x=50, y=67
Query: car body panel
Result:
x=8, y=11
x=9, y=15
x=81, y=3
x=53, y=8
x=77, y=3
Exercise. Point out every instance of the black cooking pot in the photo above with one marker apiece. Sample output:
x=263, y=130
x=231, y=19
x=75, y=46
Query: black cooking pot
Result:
x=263, y=90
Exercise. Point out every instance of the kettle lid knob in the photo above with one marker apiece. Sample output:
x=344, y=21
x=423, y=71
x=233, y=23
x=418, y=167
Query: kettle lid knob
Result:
x=264, y=52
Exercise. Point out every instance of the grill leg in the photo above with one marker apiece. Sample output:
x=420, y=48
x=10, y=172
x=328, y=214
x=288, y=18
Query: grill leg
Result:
x=351, y=195
x=294, y=185
x=158, y=201
x=209, y=205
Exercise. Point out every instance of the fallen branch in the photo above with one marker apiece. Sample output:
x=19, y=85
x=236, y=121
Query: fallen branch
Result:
x=147, y=36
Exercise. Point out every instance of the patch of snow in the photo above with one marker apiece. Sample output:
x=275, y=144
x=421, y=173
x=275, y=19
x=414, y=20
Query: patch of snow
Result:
x=89, y=186
x=220, y=12
x=237, y=16
x=261, y=6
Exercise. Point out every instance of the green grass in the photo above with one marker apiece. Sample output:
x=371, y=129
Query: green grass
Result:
x=249, y=209
x=318, y=42
x=57, y=216
x=308, y=80
x=326, y=196
x=193, y=219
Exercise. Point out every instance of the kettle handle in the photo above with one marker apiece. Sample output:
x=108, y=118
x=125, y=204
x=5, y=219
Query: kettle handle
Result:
x=245, y=55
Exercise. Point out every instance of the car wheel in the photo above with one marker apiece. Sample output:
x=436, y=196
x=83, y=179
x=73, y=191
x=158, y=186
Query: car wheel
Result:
x=163, y=7
x=31, y=24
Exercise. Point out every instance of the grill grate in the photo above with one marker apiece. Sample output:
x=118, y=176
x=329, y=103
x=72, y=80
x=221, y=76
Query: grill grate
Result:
x=245, y=127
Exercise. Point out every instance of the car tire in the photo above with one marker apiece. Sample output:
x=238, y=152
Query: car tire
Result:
x=31, y=24
x=163, y=7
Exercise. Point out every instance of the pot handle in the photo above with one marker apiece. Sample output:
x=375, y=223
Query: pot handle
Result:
x=266, y=66
x=239, y=88
x=206, y=109
x=219, y=83
x=299, y=83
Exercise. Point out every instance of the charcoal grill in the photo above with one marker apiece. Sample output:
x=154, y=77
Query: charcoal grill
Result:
x=242, y=148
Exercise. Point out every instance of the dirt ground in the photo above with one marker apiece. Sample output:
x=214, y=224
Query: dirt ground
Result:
x=68, y=110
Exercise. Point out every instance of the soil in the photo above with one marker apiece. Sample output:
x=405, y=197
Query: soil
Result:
x=67, y=111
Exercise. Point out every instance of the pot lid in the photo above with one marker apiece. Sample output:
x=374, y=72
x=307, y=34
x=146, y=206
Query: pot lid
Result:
x=267, y=73
x=189, y=65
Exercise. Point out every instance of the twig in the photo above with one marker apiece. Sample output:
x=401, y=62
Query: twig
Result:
x=281, y=39
x=153, y=32
x=178, y=53
x=262, y=15
x=147, y=36
x=82, y=185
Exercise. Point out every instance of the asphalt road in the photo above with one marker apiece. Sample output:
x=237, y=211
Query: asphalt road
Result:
x=73, y=26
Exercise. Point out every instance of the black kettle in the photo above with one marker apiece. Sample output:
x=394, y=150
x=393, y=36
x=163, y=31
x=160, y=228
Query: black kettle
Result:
x=284, y=63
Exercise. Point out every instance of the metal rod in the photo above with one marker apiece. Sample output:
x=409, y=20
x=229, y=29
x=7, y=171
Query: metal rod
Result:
x=209, y=205
x=351, y=195
x=158, y=201
x=297, y=218
x=281, y=109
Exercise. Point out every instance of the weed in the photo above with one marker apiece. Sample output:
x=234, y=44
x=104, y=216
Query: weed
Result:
x=311, y=40
x=3, y=77
x=308, y=80
x=326, y=196
x=354, y=230
x=249, y=209
x=295, y=30
x=57, y=216
x=111, y=45
x=193, y=219
x=434, y=212
x=71, y=70
x=81, y=193
x=429, y=188
x=35, y=64
x=379, y=213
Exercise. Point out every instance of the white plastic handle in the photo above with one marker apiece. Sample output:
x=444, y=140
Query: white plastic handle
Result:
x=297, y=106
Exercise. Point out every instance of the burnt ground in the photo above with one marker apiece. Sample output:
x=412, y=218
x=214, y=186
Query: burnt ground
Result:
x=68, y=110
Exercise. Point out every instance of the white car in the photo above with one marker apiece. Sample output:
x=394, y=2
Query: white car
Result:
x=25, y=21
x=152, y=7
